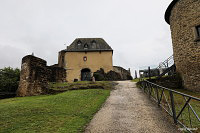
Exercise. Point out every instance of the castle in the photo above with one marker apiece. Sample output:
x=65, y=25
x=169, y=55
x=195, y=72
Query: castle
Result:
x=83, y=58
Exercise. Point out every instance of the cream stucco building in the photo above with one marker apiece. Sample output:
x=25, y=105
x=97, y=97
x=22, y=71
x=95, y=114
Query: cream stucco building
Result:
x=84, y=57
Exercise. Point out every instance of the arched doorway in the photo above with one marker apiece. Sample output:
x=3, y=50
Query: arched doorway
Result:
x=85, y=74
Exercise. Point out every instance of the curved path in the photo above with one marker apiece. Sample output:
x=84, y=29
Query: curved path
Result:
x=129, y=110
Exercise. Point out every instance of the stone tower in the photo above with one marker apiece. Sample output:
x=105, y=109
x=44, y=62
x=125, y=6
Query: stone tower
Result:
x=183, y=16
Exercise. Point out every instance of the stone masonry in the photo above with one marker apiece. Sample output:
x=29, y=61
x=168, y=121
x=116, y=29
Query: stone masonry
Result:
x=35, y=75
x=183, y=17
x=56, y=74
x=125, y=74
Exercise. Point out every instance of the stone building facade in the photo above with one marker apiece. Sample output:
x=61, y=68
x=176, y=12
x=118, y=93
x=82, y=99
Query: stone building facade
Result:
x=183, y=16
x=84, y=57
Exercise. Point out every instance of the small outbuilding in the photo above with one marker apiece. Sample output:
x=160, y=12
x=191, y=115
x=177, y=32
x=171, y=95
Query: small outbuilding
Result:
x=183, y=16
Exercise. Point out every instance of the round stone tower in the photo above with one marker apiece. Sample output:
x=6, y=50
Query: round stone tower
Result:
x=183, y=16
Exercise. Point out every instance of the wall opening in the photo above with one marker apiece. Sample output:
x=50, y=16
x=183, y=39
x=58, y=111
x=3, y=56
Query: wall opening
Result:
x=85, y=74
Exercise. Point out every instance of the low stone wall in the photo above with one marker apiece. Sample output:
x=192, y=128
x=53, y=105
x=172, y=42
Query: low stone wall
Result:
x=100, y=75
x=125, y=74
x=57, y=74
x=35, y=75
x=120, y=74
x=171, y=82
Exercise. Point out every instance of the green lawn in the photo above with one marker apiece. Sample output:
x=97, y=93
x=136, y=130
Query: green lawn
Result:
x=81, y=85
x=65, y=112
x=187, y=117
x=137, y=79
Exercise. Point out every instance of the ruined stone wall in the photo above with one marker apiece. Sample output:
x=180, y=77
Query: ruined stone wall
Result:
x=100, y=75
x=33, y=78
x=125, y=74
x=35, y=75
x=184, y=17
x=57, y=74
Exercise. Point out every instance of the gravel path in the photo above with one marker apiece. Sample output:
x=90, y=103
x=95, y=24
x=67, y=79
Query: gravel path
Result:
x=128, y=110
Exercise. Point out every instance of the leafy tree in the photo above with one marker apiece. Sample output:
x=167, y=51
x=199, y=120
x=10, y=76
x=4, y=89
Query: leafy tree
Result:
x=9, y=79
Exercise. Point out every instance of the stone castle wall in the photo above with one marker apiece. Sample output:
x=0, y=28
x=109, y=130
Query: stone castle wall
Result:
x=125, y=74
x=184, y=17
x=35, y=75
x=57, y=74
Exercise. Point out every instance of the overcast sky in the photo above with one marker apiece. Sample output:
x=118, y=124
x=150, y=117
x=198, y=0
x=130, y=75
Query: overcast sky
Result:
x=135, y=29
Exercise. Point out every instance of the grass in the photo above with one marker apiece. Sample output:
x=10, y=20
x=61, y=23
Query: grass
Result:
x=65, y=112
x=82, y=85
x=137, y=79
x=187, y=115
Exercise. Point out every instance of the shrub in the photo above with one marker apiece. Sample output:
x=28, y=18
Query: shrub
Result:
x=9, y=79
x=98, y=76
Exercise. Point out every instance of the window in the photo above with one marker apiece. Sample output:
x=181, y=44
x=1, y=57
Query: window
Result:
x=198, y=30
x=79, y=42
x=86, y=46
x=63, y=59
x=197, y=33
x=93, y=42
x=84, y=58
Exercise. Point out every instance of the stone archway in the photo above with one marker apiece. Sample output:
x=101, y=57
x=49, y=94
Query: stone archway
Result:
x=85, y=74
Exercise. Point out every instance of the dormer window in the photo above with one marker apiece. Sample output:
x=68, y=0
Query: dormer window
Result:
x=79, y=43
x=93, y=42
x=86, y=46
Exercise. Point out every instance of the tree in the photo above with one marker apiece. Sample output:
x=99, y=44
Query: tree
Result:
x=9, y=79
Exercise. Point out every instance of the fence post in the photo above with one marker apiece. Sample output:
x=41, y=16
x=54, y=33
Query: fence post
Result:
x=145, y=85
x=142, y=84
x=173, y=106
x=157, y=96
x=149, y=72
x=150, y=89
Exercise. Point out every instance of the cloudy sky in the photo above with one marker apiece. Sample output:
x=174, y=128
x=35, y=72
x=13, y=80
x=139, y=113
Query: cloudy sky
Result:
x=135, y=29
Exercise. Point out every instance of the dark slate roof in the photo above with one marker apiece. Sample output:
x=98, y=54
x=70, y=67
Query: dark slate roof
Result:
x=88, y=44
x=168, y=11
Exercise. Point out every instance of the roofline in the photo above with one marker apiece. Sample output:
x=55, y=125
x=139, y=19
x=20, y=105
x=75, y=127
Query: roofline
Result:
x=90, y=38
x=89, y=50
x=168, y=11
